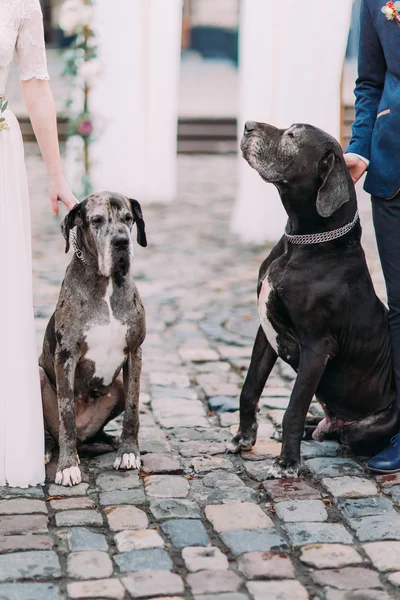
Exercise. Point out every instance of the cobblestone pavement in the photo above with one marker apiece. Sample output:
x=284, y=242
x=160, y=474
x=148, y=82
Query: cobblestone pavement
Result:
x=197, y=523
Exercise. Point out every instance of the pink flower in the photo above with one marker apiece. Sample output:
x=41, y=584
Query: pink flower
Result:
x=85, y=128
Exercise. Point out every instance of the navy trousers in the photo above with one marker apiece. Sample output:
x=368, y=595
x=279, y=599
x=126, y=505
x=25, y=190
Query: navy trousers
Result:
x=386, y=216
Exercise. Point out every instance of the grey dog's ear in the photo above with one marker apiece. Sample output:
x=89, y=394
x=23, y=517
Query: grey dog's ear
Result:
x=334, y=190
x=141, y=231
x=72, y=219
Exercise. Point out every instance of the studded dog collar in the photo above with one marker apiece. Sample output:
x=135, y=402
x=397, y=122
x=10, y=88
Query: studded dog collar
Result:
x=325, y=236
x=74, y=244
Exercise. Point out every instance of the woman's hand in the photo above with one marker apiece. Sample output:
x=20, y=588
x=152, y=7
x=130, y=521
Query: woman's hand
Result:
x=356, y=166
x=60, y=191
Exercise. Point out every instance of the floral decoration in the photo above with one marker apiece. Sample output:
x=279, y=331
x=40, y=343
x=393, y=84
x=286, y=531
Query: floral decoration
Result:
x=392, y=11
x=82, y=66
x=3, y=107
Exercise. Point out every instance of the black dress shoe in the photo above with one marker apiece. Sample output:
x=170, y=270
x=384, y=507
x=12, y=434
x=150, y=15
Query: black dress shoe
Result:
x=387, y=461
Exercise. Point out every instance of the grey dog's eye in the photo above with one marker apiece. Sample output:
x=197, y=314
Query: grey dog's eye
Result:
x=128, y=218
x=97, y=221
x=291, y=135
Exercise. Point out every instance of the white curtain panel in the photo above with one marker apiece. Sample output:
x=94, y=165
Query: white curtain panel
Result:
x=291, y=61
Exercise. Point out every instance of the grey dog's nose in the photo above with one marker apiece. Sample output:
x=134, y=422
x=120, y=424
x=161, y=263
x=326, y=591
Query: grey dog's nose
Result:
x=249, y=126
x=120, y=242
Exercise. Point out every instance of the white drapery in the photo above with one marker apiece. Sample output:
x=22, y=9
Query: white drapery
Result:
x=137, y=98
x=291, y=61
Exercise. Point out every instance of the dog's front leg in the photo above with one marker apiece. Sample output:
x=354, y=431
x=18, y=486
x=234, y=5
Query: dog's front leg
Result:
x=128, y=456
x=312, y=365
x=262, y=362
x=68, y=471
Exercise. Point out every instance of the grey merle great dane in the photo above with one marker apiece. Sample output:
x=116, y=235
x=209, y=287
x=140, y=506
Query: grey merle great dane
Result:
x=317, y=305
x=91, y=360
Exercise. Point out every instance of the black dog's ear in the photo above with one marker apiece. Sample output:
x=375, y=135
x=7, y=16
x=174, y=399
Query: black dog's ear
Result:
x=141, y=232
x=72, y=219
x=334, y=191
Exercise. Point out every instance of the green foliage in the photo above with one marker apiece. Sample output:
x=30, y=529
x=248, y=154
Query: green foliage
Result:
x=83, y=48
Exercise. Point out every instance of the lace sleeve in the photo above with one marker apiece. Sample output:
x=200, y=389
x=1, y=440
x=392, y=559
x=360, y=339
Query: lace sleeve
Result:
x=31, y=53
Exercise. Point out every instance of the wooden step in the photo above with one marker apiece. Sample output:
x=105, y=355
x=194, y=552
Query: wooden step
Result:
x=196, y=136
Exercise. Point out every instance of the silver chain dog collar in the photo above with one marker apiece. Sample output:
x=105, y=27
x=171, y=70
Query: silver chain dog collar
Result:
x=325, y=236
x=74, y=244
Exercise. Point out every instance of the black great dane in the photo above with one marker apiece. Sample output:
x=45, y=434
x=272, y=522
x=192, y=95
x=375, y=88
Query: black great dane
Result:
x=318, y=308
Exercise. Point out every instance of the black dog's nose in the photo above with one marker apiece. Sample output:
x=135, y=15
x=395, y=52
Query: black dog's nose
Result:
x=249, y=126
x=120, y=242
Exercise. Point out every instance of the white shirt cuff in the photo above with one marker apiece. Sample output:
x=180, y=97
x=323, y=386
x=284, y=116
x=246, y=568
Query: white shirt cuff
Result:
x=359, y=156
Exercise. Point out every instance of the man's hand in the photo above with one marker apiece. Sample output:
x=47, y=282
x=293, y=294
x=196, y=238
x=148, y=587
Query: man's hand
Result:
x=356, y=166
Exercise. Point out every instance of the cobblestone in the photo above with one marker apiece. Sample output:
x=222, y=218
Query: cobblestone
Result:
x=80, y=539
x=206, y=582
x=242, y=541
x=138, y=540
x=366, y=507
x=290, y=489
x=126, y=517
x=301, y=511
x=160, y=463
x=266, y=565
x=123, y=497
x=204, y=559
x=102, y=588
x=348, y=578
x=317, y=533
x=12, y=543
x=23, y=524
x=21, y=506
x=166, y=486
x=385, y=556
x=72, y=503
x=155, y=559
x=69, y=518
x=240, y=515
x=89, y=565
x=370, y=529
x=60, y=490
x=350, y=487
x=29, y=565
x=173, y=508
x=271, y=590
x=194, y=361
x=149, y=583
x=324, y=556
x=186, y=532
x=333, y=467
x=30, y=591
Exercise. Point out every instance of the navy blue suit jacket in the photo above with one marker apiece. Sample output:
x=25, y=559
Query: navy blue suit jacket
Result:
x=376, y=131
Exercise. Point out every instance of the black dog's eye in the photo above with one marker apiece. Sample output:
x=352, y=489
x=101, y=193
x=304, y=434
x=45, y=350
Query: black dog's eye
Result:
x=97, y=221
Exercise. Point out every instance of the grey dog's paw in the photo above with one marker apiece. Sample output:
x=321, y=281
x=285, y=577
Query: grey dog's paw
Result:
x=128, y=458
x=241, y=441
x=70, y=476
x=282, y=470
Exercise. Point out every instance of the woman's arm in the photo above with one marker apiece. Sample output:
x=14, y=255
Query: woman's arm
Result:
x=32, y=63
x=41, y=108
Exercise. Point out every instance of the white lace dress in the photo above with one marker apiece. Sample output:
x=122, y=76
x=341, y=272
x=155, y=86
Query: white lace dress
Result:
x=21, y=419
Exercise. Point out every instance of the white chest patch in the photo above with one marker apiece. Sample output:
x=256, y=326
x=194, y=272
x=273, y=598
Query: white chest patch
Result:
x=262, y=311
x=106, y=344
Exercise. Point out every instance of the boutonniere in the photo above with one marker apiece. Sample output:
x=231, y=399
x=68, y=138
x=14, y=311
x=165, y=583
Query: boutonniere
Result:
x=3, y=105
x=392, y=11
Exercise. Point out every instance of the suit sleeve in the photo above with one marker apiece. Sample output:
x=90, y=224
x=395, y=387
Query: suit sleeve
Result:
x=369, y=85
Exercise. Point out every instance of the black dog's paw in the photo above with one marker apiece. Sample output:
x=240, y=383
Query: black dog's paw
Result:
x=283, y=470
x=242, y=441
